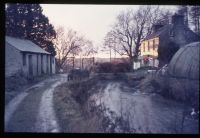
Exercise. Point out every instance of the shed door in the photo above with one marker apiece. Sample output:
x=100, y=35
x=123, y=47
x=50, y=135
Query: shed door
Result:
x=37, y=64
x=30, y=65
x=50, y=64
x=47, y=64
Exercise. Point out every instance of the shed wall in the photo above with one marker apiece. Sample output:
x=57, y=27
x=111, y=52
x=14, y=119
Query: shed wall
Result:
x=13, y=60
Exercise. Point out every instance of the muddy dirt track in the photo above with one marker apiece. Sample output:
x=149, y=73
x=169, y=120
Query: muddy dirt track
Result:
x=32, y=110
x=145, y=112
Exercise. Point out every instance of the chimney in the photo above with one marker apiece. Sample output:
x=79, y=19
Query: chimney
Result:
x=178, y=20
x=156, y=27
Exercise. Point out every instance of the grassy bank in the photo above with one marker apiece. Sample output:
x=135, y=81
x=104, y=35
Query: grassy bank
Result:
x=74, y=111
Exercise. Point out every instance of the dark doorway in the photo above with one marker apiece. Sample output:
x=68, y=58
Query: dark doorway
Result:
x=51, y=58
x=42, y=64
x=47, y=64
x=37, y=64
x=30, y=65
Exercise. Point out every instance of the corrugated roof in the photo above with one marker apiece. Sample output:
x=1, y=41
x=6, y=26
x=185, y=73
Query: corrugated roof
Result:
x=185, y=63
x=25, y=45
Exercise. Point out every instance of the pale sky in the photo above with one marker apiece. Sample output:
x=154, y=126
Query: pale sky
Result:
x=92, y=21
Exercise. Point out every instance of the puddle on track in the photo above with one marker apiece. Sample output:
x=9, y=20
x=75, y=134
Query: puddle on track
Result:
x=147, y=113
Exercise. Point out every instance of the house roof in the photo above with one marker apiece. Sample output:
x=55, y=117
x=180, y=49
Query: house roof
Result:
x=159, y=32
x=25, y=45
x=168, y=27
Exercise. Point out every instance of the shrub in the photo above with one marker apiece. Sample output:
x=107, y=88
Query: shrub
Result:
x=122, y=67
x=106, y=67
x=111, y=67
x=81, y=89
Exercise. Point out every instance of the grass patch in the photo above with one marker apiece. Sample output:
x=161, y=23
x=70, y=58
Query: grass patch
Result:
x=73, y=108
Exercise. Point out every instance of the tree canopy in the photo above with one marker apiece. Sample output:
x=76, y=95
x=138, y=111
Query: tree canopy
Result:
x=195, y=17
x=27, y=21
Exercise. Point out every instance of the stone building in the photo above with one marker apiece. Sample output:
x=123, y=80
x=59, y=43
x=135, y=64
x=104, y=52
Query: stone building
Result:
x=165, y=37
x=25, y=57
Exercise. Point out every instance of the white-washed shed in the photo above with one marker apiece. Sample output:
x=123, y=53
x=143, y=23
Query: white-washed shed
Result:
x=23, y=56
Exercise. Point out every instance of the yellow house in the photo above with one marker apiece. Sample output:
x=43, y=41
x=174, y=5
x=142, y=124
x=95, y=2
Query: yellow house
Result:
x=150, y=47
x=163, y=38
x=149, y=51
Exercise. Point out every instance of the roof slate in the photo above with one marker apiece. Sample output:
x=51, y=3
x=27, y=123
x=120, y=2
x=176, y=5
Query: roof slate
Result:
x=159, y=32
x=25, y=45
x=165, y=28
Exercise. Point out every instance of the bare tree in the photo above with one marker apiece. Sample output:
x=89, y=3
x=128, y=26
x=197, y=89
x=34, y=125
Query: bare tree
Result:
x=87, y=51
x=67, y=44
x=195, y=18
x=120, y=38
x=131, y=28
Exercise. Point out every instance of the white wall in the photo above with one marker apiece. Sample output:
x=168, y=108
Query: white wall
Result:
x=13, y=60
x=34, y=60
x=39, y=64
x=44, y=66
x=156, y=62
x=53, y=65
x=136, y=65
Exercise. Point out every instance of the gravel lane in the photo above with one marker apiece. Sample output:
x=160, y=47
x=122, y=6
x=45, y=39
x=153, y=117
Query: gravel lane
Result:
x=32, y=110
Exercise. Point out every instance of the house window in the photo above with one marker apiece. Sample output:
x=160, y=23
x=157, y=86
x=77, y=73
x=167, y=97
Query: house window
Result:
x=144, y=47
x=148, y=46
x=24, y=59
x=153, y=44
x=156, y=41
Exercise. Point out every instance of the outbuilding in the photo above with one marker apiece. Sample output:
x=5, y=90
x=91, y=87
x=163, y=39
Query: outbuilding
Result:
x=23, y=56
x=182, y=76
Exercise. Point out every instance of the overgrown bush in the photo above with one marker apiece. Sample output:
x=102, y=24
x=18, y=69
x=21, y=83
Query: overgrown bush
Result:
x=106, y=67
x=111, y=67
x=81, y=89
x=15, y=81
x=122, y=67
